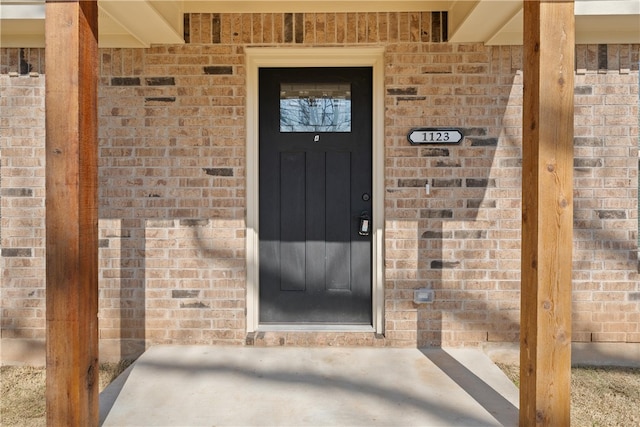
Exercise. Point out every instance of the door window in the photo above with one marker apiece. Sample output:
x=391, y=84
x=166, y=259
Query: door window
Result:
x=315, y=107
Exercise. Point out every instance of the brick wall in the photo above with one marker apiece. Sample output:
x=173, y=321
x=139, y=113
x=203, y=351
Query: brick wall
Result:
x=172, y=186
x=22, y=230
x=172, y=195
x=606, y=284
x=463, y=240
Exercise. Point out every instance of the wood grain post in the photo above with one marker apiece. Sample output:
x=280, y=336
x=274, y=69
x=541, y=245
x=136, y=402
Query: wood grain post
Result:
x=547, y=213
x=71, y=53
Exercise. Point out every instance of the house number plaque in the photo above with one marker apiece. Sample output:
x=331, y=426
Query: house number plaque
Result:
x=419, y=136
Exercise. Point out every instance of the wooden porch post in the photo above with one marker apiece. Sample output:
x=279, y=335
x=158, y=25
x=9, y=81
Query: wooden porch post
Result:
x=547, y=213
x=71, y=34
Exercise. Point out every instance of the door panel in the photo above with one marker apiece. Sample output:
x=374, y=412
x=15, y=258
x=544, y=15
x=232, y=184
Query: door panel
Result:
x=338, y=208
x=314, y=265
x=292, y=221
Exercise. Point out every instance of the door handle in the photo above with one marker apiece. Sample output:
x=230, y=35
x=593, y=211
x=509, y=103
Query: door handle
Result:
x=364, y=227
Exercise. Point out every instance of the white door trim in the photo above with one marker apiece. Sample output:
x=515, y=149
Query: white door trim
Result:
x=257, y=58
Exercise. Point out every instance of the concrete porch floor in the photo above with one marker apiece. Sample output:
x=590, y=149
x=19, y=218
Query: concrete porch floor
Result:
x=286, y=386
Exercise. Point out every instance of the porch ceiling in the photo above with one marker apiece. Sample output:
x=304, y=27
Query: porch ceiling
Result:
x=122, y=23
x=141, y=23
x=499, y=22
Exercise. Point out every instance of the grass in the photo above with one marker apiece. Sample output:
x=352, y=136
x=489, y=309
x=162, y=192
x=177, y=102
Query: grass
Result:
x=600, y=396
x=22, y=399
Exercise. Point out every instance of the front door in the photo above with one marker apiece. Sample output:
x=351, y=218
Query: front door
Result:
x=315, y=195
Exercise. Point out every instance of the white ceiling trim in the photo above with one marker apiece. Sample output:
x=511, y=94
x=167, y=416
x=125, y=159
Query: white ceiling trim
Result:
x=459, y=12
x=22, y=10
x=143, y=22
x=122, y=23
x=500, y=22
x=607, y=7
x=510, y=33
x=21, y=40
x=482, y=21
x=22, y=23
x=116, y=33
x=607, y=29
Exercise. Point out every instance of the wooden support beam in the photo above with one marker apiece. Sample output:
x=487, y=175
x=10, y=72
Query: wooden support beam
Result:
x=71, y=52
x=547, y=213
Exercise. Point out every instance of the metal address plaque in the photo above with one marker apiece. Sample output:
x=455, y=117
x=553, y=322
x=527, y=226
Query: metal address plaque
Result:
x=434, y=136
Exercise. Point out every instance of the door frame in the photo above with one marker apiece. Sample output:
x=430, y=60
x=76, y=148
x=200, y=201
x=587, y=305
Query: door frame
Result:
x=257, y=58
